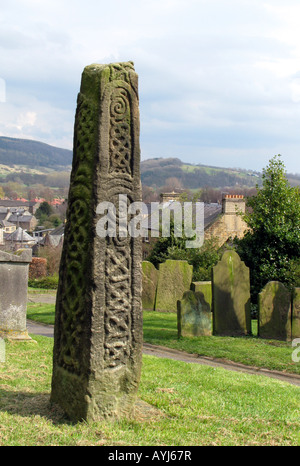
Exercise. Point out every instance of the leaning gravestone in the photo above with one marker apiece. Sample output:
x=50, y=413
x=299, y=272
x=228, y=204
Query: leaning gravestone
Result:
x=193, y=315
x=296, y=314
x=150, y=277
x=98, y=324
x=274, y=312
x=231, y=296
x=174, y=278
x=13, y=294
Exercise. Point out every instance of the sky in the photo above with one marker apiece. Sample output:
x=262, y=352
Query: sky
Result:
x=219, y=80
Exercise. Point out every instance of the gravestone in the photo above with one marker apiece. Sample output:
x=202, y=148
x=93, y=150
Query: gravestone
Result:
x=193, y=315
x=98, y=337
x=174, y=278
x=13, y=294
x=150, y=278
x=274, y=312
x=231, y=296
x=296, y=314
x=205, y=288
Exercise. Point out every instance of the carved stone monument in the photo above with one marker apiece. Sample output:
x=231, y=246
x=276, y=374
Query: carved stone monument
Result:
x=98, y=325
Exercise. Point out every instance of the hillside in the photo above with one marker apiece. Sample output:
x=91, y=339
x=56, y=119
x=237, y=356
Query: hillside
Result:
x=32, y=153
x=155, y=172
x=31, y=162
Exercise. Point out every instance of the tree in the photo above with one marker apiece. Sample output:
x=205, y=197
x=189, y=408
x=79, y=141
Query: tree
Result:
x=271, y=247
x=45, y=209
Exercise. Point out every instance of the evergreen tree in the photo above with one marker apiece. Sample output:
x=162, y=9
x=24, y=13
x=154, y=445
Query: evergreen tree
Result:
x=271, y=247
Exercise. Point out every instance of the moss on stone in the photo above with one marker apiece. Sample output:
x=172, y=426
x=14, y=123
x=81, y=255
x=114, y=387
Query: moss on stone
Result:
x=174, y=278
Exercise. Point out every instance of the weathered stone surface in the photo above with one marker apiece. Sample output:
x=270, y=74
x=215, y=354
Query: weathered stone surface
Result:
x=205, y=288
x=193, y=315
x=274, y=312
x=98, y=324
x=231, y=296
x=174, y=278
x=13, y=294
x=296, y=314
x=150, y=278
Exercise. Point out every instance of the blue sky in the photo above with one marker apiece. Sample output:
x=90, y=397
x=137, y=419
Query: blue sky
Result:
x=219, y=80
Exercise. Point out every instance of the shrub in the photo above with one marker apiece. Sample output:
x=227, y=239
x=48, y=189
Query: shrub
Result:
x=46, y=283
x=38, y=268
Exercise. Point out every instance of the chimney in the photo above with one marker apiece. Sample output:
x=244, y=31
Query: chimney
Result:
x=233, y=203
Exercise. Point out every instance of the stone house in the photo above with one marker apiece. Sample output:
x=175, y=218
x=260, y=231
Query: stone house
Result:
x=24, y=219
x=229, y=223
x=221, y=221
x=13, y=217
x=30, y=206
x=7, y=227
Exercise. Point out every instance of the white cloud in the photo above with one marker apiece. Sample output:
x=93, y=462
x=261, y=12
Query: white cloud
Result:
x=2, y=90
x=216, y=78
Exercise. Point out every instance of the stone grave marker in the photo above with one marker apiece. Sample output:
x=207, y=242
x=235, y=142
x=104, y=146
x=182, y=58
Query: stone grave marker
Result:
x=13, y=294
x=274, y=312
x=150, y=278
x=296, y=314
x=205, y=288
x=193, y=315
x=231, y=296
x=98, y=337
x=174, y=278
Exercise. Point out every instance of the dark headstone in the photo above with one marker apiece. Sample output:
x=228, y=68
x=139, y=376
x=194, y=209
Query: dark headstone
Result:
x=231, y=296
x=274, y=312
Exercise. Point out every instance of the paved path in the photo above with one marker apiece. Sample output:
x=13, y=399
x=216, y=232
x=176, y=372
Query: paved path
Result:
x=163, y=352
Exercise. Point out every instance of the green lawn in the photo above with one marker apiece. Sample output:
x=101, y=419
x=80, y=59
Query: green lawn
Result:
x=193, y=405
x=161, y=329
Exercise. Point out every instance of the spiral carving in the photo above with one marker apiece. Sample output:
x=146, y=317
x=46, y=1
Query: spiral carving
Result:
x=120, y=134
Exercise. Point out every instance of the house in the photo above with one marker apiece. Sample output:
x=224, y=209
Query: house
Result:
x=24, y=219
x=19, y=239
x=221, y=221
x=229, y=224
x=7, y=227
x=30, y=206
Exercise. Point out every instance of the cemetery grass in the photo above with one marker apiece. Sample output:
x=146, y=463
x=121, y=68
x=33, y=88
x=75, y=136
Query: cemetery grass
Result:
x=190, y=405
x=161, y=329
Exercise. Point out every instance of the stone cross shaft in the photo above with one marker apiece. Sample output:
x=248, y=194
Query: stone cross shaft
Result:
x=98, y=324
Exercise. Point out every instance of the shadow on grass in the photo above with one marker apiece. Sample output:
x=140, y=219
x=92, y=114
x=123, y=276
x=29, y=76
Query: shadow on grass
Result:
x=32, y=404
